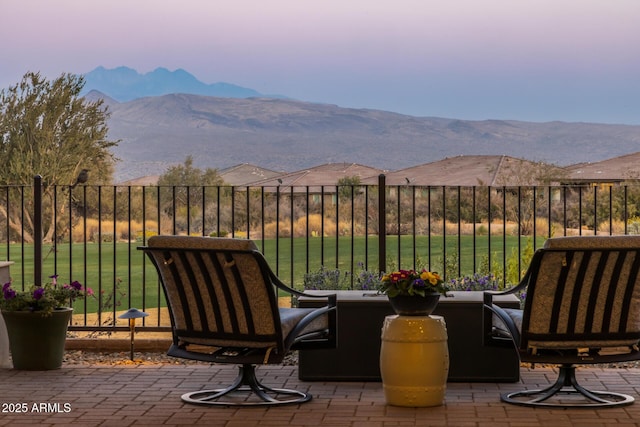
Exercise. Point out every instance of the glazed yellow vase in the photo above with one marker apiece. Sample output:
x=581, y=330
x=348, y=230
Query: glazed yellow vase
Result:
x=414, y=360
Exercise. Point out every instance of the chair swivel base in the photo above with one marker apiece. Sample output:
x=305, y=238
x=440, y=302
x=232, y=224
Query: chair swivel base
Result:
x=567, y=384
x=246, y=382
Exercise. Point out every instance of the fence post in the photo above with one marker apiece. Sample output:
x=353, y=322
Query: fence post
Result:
x=37, y=230
x=382, y=223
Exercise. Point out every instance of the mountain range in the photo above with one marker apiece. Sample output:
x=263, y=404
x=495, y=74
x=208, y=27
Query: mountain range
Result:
x=125, y=84
x=162, y=117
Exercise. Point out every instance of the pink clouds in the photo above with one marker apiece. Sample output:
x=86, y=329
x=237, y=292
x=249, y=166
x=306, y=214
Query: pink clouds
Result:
x=343, y=52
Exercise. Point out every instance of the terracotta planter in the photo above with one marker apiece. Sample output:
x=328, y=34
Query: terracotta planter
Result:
x=37, y=341
x=405, y=305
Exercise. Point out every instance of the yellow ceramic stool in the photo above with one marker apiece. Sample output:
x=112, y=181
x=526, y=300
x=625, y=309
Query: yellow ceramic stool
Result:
x=414, y=360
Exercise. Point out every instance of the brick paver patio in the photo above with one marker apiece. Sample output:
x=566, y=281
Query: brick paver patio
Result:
x=149, y=395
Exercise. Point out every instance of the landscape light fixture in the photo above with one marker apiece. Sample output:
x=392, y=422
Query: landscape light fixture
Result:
x=132, y=314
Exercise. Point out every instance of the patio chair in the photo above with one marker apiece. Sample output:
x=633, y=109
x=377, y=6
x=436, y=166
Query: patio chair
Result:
x=582, y=306
x=222, y=300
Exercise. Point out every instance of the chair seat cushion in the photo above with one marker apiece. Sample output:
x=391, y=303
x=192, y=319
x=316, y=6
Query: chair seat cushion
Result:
x=500, y=329
x=516, y=317
x=290, y=317
x=569, y=345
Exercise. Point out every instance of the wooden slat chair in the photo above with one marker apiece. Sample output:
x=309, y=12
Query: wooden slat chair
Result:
x=582, y=306
x=222, y=299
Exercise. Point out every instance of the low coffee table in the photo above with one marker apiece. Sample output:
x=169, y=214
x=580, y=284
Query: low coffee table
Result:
x=360, y=318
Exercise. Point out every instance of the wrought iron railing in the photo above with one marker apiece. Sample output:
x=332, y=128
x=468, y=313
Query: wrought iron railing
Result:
x=91, y=233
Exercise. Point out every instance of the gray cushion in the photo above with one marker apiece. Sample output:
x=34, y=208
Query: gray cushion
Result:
x=291, y=316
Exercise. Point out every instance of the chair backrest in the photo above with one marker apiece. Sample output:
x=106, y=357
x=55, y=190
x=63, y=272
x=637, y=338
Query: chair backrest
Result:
x=583, y=292
x=218, y=291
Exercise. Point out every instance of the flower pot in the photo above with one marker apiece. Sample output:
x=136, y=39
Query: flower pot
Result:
x=5, y=355
x=405, y=305
x=37, y=341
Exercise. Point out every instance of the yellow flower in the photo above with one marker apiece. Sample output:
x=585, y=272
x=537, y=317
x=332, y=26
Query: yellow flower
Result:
x=430, y=277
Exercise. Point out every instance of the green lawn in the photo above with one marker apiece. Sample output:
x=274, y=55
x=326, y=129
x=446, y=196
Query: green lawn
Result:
x=114, y=268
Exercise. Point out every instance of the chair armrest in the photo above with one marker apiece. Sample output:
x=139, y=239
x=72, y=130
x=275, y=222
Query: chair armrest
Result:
x=488, y=295
x=332, y=298
x=512, y=290
x=490, y=312
x=524, y=282
x=326, y=339
x=330, y=310
x=501, y=315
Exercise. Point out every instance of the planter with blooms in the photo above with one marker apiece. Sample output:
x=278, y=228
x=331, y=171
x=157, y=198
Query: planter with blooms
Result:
x=43, y=299
x=36, y=322
x=412, y=283
x=413, y=293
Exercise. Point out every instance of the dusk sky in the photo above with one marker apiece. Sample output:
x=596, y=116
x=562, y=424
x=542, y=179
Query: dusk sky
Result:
x=532, y=60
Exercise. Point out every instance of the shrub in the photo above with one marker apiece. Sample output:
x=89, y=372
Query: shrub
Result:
x=273, y=230
x=367, y=280
x=145, y=235
x=315, y=225
x=334, y=279
x=325, y=279
x=476, y=282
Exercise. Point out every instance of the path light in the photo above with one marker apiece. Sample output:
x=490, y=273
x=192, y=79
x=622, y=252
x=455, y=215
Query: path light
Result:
x=132, y=314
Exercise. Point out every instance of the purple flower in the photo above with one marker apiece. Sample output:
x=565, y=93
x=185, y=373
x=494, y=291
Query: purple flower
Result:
x=38, y=293
x=42, y=298
x=419, y=283
x=8, y=292
x=54, y=279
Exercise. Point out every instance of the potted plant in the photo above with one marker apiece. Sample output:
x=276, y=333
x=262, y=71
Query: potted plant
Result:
x=413, y=293
x=37, y=320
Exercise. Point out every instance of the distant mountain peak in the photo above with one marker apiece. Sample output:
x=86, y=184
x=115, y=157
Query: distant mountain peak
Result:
x=95, y=95
x=125, y=84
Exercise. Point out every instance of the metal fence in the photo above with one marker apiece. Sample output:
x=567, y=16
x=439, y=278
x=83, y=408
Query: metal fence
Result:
x=91, y=233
